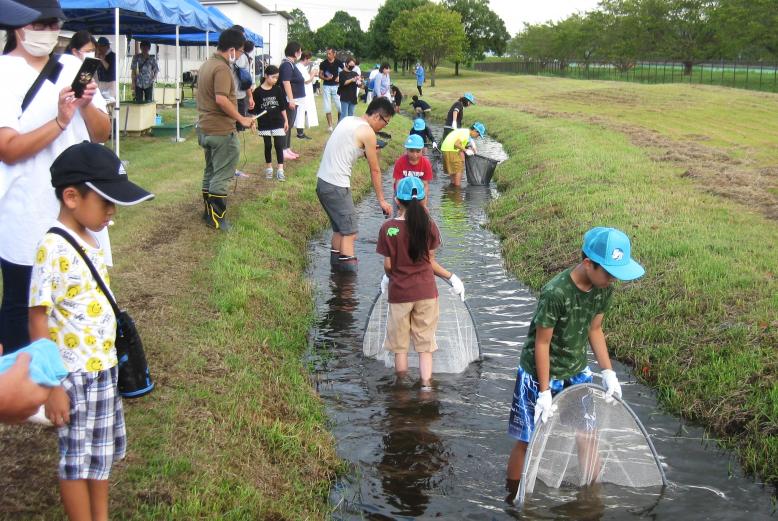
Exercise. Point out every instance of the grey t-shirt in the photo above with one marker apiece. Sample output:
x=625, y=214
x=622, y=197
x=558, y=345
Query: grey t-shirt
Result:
x=243, y=63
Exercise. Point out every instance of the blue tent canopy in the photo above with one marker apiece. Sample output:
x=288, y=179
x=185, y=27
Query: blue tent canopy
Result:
x=198, y=38
x=137, y=16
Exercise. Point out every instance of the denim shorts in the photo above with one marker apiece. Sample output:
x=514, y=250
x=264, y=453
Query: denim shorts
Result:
x=522, y=419
x=95, y=438
x=339, y=205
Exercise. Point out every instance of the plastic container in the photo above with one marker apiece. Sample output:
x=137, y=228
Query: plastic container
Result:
x=158, y=120
x=479, y=169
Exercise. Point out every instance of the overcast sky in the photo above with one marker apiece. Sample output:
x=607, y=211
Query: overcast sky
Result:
x=513, y=12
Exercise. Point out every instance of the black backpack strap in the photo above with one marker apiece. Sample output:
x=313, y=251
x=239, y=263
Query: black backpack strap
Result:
x=69, y=238
x=50, y=71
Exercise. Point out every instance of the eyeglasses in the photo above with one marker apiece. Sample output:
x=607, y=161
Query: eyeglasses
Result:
x=43, y=25
x=386, y=121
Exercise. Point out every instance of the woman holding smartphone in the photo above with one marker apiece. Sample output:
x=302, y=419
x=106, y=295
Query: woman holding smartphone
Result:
x=31, y=137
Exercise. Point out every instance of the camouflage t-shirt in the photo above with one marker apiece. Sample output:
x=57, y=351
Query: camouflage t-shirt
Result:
x=570, y=312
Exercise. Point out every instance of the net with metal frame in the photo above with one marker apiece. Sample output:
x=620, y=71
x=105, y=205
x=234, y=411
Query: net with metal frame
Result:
x=479, y=169
x=589, y=440
x=456, y=336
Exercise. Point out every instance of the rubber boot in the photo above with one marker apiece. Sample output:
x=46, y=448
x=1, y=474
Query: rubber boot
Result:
x=207, y=209
x=218, y=210
x=334, y=254
x=512, y=487
x=347, y=264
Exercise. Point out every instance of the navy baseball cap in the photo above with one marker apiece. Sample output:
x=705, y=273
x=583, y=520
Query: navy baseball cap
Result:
x=611, y=249
x=47, y=9
x=100, y=169
x=14, y=14
x=103, y=41
x=410, y=188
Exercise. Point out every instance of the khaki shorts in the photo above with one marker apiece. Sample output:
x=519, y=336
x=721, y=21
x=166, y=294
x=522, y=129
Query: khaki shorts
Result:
x=415, y=321
x=453, y=162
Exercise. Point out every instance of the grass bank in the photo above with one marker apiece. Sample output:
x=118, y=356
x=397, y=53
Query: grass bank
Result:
x=234, y=429
x=691, y=174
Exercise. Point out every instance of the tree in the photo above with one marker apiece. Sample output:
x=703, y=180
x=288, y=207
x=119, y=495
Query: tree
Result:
x=354, y=38
x=431, y=32
x=381, y=44
x=484, y=29
x=746, y=29
x=330, y=34
x=300, y=30
x=691, y=36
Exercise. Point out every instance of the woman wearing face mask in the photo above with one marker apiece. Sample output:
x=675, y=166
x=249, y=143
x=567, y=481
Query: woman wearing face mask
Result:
x=82, y=45
x=293, y=84
x=348, y=81
x=31, y=138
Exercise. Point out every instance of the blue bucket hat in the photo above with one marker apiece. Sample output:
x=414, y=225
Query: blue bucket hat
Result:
x=469, y=97
x=410, y=188
x=419, y=124
x=415, y=142
x=480, y=128
x=611, y=249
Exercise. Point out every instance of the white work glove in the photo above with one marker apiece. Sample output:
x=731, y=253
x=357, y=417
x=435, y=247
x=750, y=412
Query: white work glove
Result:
x=612, y=385
x=459, y=288
x=544, y=410
x=434, y=145
x=384, y=284
x=469, y=152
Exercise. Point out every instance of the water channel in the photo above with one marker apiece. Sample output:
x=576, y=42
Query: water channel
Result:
x=442, y=455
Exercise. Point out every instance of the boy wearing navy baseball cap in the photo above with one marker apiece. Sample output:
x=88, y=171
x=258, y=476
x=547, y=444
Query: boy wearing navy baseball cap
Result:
x=570, y=311
x=67, y=306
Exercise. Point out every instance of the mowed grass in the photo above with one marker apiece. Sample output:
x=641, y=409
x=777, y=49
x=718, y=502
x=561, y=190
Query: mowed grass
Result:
x=702, y=326
x=234, y=429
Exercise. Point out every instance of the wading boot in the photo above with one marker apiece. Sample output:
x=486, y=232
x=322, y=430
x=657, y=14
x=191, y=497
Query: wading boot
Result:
x=347, y=264
x=334, y=254
x=207, y=209
x=217, y=205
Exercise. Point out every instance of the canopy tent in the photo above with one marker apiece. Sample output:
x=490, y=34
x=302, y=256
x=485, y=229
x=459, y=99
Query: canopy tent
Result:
x=203, y=38
x=132, y=17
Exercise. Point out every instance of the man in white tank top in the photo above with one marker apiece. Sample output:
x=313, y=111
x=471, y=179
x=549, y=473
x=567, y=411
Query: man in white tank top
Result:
x=352, y=138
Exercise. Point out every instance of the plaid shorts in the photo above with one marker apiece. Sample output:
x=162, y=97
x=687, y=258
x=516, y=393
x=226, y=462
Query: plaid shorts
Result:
x=96, y=436
x=521, y=424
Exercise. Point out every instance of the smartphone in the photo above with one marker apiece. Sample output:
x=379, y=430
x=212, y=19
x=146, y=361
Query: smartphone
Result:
x=85, y=75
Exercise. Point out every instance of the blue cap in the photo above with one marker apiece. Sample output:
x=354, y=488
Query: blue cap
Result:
x=469, y=97
x=419, y=124
x=410, y=188
x=610, y=248
x=480, y=128
x=13, y=14
x=415, y=142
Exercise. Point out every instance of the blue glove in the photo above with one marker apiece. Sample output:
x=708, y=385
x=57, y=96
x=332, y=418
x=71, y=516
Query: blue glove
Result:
x=46, y=367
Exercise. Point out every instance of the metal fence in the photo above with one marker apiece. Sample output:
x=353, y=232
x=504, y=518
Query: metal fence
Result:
x=759, y=76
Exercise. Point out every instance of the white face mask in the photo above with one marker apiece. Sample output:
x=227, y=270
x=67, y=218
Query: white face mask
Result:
x=39, y=43
x=85, y=55
x=232, y=57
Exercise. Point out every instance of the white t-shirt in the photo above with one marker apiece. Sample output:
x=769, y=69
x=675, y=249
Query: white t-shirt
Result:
x=340, y=153
x=81, y=320
x=28, y=206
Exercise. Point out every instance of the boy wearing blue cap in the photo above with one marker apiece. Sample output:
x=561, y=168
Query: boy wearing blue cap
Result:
x=414, y=164
x=570, y=312
x=420, y=128
x=408, y=243
x=67, y=305
x=457, y=144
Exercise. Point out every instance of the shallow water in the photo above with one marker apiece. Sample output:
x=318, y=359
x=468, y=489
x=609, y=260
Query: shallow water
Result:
x=443, y=454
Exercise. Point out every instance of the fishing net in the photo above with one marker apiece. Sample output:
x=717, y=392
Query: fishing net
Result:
x=457, y=337
x=588, y=440
x=479, y=169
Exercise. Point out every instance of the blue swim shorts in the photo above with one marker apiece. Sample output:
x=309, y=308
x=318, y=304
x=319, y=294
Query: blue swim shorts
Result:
x=521, y=424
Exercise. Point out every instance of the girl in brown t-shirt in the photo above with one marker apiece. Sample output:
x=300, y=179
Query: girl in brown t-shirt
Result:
x=408, y=243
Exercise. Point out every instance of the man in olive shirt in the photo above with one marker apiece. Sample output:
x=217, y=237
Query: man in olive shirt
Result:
x=218, y=110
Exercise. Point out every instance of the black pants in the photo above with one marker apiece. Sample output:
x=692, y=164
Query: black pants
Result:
x=291, y=115
x=243, y=108
x=278, y=142
x=418, y=87
x=14, y=313
x=146, y=94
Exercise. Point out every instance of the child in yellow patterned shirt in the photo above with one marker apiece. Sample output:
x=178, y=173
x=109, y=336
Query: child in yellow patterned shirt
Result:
x=67, y=305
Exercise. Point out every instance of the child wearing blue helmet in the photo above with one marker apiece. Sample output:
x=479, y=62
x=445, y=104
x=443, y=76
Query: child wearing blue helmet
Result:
x=413, y=164
x=408, y=243
x=420, y=128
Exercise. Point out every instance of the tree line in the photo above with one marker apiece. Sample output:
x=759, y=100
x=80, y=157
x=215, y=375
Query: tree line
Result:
x=623, y=32
x=404, y=31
